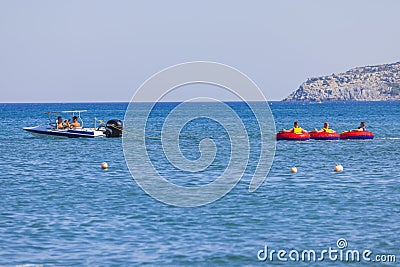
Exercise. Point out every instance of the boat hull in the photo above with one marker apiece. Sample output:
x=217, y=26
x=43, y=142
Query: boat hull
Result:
x=68, y=133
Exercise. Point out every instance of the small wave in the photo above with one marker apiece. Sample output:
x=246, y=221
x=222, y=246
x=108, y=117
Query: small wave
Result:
x=389, y=138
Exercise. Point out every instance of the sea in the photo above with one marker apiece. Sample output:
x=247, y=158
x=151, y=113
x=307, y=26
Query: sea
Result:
x=59, y=208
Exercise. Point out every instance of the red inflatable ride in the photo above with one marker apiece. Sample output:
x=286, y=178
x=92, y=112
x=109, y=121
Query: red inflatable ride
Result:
x=357, y=135
x=324, y=136
x=290, y=136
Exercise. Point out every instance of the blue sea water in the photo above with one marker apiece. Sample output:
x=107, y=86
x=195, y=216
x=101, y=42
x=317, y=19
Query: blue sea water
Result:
x=58, y=208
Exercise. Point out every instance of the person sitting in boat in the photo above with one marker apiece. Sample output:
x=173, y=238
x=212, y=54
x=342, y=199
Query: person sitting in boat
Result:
x=362, y=127
x=296, y=129
x=61, y=124
x=75, y=124
x=325, y=129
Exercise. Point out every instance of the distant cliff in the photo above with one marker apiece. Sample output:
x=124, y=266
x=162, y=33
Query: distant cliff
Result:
x=370, y=83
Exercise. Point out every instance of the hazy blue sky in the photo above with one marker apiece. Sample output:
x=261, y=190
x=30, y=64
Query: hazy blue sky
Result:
x=104, y=50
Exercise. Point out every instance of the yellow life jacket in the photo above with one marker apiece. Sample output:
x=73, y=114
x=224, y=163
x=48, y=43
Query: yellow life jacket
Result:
x=328, y=130
x=297, y=130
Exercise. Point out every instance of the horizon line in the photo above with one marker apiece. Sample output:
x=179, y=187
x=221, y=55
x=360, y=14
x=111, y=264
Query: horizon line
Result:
x=86, y=102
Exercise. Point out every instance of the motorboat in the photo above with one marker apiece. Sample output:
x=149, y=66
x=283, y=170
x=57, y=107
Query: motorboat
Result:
x=112, y=128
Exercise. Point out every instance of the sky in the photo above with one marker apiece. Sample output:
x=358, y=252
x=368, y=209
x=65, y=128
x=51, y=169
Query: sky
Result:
x=83, y=51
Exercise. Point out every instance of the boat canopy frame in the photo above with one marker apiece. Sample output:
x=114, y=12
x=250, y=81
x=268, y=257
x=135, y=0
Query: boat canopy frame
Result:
x=73, y=112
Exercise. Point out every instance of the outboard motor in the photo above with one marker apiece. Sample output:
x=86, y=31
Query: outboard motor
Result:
x=114, y=128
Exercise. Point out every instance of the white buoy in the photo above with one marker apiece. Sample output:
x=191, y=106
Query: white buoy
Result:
x=338, y=168
x=293, y=169
x=104, y=166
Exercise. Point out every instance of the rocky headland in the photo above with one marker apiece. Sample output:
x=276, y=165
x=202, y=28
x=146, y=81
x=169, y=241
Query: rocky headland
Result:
x=369, y=83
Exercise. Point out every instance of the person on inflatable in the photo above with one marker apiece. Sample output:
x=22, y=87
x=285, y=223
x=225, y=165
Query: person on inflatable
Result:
x=362, y=128
x=296, y=129
x=325, y=129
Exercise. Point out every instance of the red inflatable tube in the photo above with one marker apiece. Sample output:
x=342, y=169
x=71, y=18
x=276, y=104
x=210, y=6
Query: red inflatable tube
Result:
x=293, y=136
x=357, y=135
x=324, y=136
